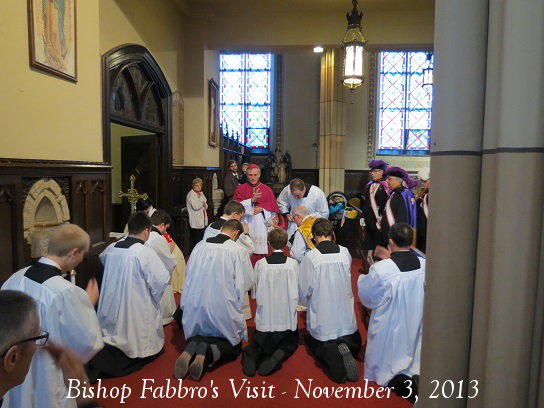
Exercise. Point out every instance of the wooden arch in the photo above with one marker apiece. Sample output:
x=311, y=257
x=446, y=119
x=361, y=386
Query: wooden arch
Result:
x=136, y=94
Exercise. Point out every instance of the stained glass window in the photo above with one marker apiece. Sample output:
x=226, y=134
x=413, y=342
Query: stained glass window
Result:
x=404, y=106
x=245, y=88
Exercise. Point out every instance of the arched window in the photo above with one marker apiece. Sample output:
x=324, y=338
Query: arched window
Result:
x=404, y=106
x=245, y=97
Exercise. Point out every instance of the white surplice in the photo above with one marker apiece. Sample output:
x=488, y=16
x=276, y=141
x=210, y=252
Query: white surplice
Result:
x=325, y=288
x=299, y=247
x=244, y=240
x=395, y=327
x=258, y=226
x=67, y=314
x=218, y=276
x=277, y=295
x=129, y=311
x=314, y=200
x=159, y=244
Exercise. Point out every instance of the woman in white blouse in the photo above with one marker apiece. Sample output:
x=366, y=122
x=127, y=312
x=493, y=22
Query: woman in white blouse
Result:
x=197, y=207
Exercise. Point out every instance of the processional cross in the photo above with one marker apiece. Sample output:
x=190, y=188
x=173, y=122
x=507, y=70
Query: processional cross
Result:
x=132, y=195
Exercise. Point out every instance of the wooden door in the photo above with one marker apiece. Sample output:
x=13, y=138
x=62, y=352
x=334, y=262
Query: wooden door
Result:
x=140, y=155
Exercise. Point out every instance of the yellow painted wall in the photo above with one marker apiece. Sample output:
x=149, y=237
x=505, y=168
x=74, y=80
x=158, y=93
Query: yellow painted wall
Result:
x=201, y=65
x=45, y=117
x=155, y=24
x=283, y=30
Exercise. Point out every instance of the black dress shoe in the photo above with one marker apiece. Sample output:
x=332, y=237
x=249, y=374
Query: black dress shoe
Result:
x=271, y=364
x=196, y=369
x=182, y=363
x=248, y=366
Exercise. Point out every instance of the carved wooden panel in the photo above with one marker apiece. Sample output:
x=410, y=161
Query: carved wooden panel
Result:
x=151, y=110
x=91, y=201
x=355, y=182
x=178, y=120
x=310, y=176
x=124, y=101
x=8, y=226
x=134, y=96
x=88, y=190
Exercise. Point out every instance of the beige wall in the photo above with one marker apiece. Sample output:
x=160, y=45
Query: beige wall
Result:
x=201, y=65
x=155, y=24
x=301, y=107
x=118, y=131
x=45, y=117
x=306, y=29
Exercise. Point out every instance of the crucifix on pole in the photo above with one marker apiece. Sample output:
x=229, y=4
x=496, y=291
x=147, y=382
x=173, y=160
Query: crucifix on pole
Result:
x=132, y=195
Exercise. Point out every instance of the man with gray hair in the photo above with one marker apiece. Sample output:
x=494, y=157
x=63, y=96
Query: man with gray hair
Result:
x=301, y=240
x=401, y=204
x=20, y=335
x=20, y=325
x=65, y=311
x=260, y=208
x=299, y=193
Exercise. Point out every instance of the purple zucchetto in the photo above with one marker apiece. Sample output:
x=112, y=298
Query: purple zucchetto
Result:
x=403, y=174
x=377, y=164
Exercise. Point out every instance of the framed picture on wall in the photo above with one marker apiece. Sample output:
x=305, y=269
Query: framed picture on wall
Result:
x=52, y=37
x=213, y=113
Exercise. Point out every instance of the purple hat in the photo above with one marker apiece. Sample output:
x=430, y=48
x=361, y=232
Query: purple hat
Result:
x=403, y=174
x=377, y=164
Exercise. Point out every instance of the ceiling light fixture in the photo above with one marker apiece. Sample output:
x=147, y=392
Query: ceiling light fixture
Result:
x=428, y=72
x=354, y=47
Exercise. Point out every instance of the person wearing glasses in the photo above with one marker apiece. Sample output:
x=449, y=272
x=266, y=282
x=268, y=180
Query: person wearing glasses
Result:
x=66, y=312
x=20, y=335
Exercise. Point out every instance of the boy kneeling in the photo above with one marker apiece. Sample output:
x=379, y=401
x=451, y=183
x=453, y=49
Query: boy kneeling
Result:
x=325, y=287
x=276, y=337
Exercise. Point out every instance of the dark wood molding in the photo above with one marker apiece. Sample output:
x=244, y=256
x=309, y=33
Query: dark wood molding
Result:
x=195, y=168
x=143, y=81
x=42, y=163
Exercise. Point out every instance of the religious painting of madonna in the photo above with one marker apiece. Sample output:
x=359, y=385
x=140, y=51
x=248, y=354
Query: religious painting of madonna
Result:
x=52, y=37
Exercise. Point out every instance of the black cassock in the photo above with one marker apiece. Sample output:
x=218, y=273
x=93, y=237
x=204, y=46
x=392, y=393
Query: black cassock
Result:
x=373, y=236
x=421, y=237
x=398, y=208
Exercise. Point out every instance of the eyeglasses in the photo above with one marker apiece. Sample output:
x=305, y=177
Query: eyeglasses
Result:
x=40, y=341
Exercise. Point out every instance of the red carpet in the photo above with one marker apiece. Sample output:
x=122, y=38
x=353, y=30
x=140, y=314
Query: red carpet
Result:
x=216, y=387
